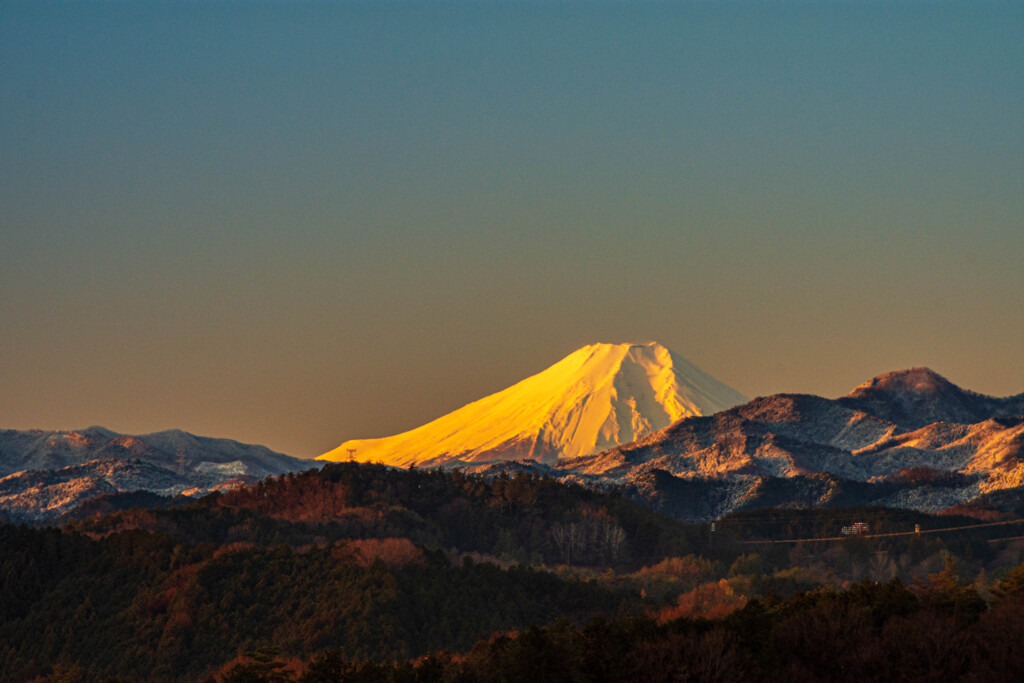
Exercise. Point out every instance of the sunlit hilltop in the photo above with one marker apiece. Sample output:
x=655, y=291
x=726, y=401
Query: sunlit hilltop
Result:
x=595, y=398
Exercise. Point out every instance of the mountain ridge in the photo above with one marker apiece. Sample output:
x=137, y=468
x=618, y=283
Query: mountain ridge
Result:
x=46, y=473
x=918, y=396
x=906, y=438
x=900, y=421
x=174, y=448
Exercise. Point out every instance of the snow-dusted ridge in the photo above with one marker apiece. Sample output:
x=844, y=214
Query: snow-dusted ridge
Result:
x=179, y=451
x=904, y=438
x=44, y=474
x=599, y=396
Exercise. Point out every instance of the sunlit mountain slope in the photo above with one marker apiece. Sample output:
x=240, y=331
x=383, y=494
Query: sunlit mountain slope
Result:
x=44, y=474
x=598, y=397
x=908, y=438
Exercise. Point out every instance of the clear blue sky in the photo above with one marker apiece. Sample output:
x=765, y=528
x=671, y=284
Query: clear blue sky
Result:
x=298, y=223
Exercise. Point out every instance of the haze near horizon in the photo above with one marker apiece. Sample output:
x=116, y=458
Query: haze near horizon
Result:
x=297, y=225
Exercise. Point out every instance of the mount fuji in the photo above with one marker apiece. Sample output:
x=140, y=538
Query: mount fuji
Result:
x=596, y=398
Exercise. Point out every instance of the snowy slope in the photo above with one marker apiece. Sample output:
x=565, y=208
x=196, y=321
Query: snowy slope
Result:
x=44, y=474
x=875, y=431
x=596, y=398
x=38, y=449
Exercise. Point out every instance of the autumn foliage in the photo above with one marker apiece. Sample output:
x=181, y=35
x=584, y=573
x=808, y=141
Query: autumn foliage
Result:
x=708, y=601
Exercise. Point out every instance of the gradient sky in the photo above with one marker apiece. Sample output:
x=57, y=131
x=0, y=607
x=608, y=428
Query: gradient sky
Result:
x=298, y=223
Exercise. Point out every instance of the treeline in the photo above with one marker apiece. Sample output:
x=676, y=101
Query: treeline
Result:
x=141, y=606
x=526, y=518
x=908, y=556
x=790, y=523
x=938, y=630
x=536, y=521
x=533, y=520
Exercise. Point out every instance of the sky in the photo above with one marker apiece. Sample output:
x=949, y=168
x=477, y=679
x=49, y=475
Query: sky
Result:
x=296, y=223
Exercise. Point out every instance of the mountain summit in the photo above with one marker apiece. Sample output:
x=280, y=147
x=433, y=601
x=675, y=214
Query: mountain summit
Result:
x=920, y=396
x=595, y=398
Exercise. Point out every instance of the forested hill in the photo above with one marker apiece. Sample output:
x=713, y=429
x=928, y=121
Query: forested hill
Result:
x=363, y=565
x=526, y=519
x=367, y=560
x=140, y=606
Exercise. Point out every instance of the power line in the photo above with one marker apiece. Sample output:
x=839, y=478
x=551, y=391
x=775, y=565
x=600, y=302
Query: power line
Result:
x=895, y=533
x=1006, y=538
x=813, y=515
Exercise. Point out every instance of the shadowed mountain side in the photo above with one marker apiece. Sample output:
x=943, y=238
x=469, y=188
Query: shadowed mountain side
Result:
x=109, y=503
x=710, y=499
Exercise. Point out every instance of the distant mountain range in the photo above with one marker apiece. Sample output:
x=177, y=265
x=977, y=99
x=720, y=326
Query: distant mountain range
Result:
x=635, y=417
x=911, y=418
x=904, y=439
x=49, y=473
x=600, y=396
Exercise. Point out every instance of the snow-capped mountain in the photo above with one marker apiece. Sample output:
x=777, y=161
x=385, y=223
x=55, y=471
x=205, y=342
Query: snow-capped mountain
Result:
x=46, y=473
x=597, y=397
